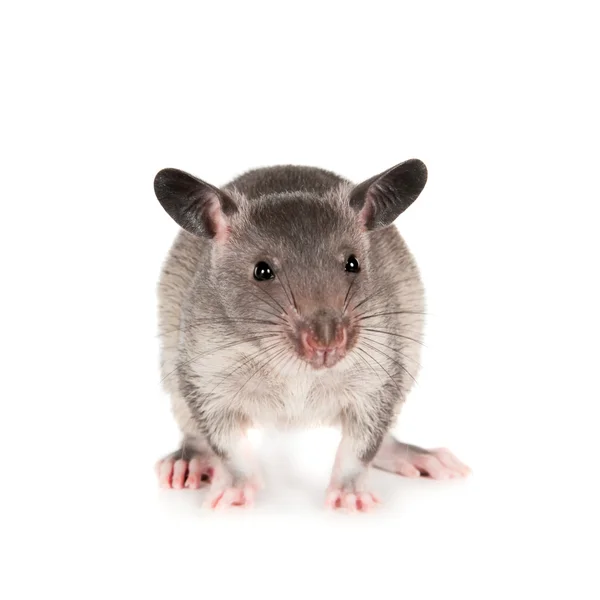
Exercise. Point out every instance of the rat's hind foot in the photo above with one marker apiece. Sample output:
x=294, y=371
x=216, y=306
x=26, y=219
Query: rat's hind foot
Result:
x=185, y=468
x=412, y=461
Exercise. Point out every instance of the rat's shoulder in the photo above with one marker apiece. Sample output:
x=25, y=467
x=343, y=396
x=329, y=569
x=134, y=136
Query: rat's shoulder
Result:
x=285, y=178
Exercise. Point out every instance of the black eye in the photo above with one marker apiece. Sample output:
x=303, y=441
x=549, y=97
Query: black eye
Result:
x=352, y=265
x=263, y=271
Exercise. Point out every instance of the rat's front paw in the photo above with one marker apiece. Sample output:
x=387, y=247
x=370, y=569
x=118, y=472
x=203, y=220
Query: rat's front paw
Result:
x=177, y=471
x=225, y=492
x=351, y=500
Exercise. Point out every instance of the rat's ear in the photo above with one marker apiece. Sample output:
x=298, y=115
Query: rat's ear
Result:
x=379, y=200
x=198, y=207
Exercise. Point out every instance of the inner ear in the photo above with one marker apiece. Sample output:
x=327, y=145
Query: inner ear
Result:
x=379, y=200
x=196, y=206
x=366, y=213
x=215, y=222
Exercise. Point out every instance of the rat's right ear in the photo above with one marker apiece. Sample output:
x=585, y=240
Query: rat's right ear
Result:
x=198, y=207
x=379, y=200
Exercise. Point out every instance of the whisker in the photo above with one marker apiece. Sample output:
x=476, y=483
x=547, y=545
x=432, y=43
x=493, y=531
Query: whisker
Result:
x=290, y=288
x=364, y=337
x=370, y=366
x=384, y=370
x=299, y=367
x=284, y=288
x=273, y=315
x=396, y=312
x=250, y=358
x=261, y=365
x=224, y=321
x=275, y=308
x=285, y=364
x=366, y=299
x=393, y=360
x=245, y=362
x=271, y=297
x=346, y=301
x=389, y=287
x=229, y=345
x=401, y=335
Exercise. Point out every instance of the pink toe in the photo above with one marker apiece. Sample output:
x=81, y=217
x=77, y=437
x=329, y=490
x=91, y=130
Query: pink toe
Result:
x=364, y=502
x=449, y=460
x=215, y=499
x=408, y=470
x=332, y=500
x=165, y=473
x=193, y=481
x=195, y=465
x=195, y=472
x=231, y=497
x=351, y=502
x=369, y=501
x=433, y=467
x=248, y=496
x=179, y=472
x=227, y=498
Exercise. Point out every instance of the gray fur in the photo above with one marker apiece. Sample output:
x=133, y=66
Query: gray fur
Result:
x=229, y=353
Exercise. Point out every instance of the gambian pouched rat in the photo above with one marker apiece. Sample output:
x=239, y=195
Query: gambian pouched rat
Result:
x=287, y=299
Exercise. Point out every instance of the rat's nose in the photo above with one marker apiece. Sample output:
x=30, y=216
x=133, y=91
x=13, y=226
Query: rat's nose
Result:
x=326, y=333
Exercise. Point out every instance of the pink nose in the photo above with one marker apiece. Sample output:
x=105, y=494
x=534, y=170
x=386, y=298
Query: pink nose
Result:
x=312, y=342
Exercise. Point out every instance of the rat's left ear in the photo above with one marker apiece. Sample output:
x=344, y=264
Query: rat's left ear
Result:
x=198, y=207
x=379, y=200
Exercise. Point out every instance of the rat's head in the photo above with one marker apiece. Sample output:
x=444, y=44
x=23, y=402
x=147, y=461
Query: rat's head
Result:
x=287, y=266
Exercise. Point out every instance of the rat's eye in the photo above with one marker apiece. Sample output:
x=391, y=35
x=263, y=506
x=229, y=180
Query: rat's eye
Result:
x=352, y=265
x=263, y=271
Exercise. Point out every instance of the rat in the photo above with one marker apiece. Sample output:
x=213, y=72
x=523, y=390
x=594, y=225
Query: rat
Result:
x=290, y=299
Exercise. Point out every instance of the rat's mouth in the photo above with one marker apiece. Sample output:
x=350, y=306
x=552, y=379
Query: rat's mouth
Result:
x=321, y=359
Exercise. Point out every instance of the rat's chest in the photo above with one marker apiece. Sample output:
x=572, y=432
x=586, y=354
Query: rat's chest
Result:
x=293, y=396
x=304, y=400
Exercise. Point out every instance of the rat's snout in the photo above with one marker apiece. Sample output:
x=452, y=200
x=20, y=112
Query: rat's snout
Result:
x=324, y=338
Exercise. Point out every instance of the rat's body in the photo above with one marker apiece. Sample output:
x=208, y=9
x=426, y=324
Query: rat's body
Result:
x=325, y=331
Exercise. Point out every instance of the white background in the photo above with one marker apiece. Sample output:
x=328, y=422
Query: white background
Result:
x=500, y=101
